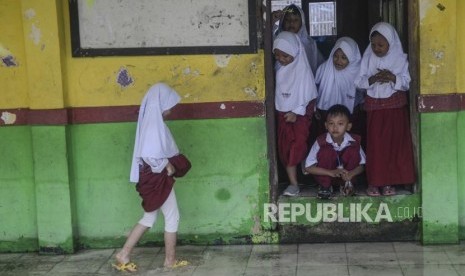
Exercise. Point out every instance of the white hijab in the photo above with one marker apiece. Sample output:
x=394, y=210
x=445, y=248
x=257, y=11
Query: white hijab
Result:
x=315, y=58
x=153, y=138
x=295, y=85
x=337, y=86
x=395, y=61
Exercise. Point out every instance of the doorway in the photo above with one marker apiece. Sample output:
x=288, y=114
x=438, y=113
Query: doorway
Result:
x=349, y=18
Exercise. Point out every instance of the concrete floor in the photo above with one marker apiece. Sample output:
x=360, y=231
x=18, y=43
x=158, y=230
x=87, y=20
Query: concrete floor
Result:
x=389, y=258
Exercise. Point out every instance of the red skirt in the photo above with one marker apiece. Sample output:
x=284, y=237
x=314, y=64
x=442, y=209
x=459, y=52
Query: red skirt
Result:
x=154, y=188
x=389, y=147
x=293, y=137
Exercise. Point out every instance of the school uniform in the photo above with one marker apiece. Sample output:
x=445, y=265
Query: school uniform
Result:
x=295, y=91
x=337, y=86
x=154, y=147
x=327, y=154
x=389, y=141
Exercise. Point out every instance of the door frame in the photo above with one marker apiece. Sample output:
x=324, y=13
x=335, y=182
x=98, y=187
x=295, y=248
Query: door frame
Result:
x=413, y=50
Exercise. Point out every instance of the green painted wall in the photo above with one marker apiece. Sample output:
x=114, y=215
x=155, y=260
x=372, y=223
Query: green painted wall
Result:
x=461, y=172
x=219, y=199
x=439, y=167
x=18, y=222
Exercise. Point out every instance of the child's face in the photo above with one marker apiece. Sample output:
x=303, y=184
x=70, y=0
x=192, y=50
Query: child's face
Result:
x=379, y=45
x=282, y=57
x=337, y=126
x=340, y=60
x=292, y=23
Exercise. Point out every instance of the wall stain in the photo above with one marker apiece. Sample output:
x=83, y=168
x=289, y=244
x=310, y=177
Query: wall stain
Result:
x=9, y=61
x=441, y=7
x=123, y=78
x=223, y=194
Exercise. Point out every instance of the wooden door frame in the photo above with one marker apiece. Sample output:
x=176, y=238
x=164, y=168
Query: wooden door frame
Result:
x=269, y=105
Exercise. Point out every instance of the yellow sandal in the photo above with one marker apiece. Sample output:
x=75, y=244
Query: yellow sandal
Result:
x=129, y=267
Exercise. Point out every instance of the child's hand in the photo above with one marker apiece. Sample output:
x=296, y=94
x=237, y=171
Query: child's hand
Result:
x=384, y=76
x=276, y=16
x=347, y=176
x=170, y=169
x=290, y=117
x=337, y=172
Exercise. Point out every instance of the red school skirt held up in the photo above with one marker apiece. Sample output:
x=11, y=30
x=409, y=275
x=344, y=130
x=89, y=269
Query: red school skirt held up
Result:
x=293, y=137
x=154, y=188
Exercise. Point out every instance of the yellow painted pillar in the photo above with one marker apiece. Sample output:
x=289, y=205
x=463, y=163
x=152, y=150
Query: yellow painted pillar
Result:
x=44, y=46
x=43, y=40
x=439, y=50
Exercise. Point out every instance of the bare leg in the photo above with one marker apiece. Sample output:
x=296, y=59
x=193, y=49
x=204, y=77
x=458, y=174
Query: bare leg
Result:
x=292, y=174
x=123, y=255
x=170, y=249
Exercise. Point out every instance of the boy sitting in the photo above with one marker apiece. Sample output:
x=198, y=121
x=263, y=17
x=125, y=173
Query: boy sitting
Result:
x=336, y=157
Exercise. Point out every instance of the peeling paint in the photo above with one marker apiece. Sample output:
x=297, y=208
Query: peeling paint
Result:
x=223, y=106
x=29, y=14
x=252, y=92
x=187, y=71
x=421, y=104
x=424, y=8
x=222, y=60
x=437, y=54
x=35, y=34
x=433, y=68
x=123, y=78
x=8, y=118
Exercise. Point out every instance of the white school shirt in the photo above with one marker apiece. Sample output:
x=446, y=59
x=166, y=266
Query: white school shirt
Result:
x=295, y=85
x=395, y=61
x=154, y=143
x=312, y=160
x=337, y=86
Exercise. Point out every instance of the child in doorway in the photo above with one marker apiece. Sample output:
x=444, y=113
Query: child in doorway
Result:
x=335, y=81
x=155, y=164
x=295, y=97
x=336, y=157
x=292, y=19
x=384, y=74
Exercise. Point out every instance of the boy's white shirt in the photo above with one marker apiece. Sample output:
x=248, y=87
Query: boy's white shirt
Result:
x=154, y=143
x=312, y=160
x=337, y=86
x=395, y=61
x=295, y=85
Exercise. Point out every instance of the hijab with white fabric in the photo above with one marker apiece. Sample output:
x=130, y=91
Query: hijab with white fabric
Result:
x=295, y=85
x=154, y=142
x=337, y=86
x=314, y=56
x=395, y=61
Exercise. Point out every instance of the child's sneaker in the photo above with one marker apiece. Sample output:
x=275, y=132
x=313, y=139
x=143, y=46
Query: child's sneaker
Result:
x=324, y=193
x=292, y=190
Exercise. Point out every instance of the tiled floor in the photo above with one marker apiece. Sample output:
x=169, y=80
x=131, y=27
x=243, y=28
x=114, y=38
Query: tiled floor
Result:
x=391, y=258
